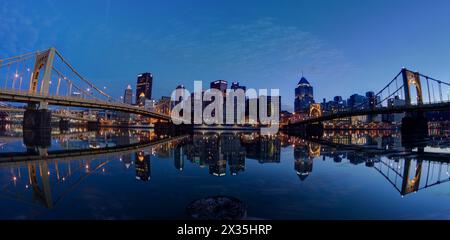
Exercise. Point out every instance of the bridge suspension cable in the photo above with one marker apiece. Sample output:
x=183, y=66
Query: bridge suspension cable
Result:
x=71, y=85
x=90, y=84
x=366, y=102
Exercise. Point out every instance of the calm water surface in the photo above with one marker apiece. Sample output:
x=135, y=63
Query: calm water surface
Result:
x=347, y=175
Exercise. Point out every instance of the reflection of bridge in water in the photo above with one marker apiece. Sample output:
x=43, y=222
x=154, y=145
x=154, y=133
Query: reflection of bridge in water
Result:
x=408, y=170
x=71, y=168
x=59, y=172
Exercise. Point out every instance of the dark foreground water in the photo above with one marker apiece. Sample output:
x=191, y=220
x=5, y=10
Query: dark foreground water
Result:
x=347, y=175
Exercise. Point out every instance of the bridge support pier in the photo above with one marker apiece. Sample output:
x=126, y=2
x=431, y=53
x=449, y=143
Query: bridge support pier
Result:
x=415, y=124
x=93, y=125
x=306, y=130
x=37, y=138
x=63, y=124
x=168, y=128
x=37, y=119
x=414, y=129
x=37, y=129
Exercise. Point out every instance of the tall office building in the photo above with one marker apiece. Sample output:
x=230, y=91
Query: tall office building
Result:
x=220, y=85
x=235, y=86
x=128, y=95
x=144, y=88
x=304, y=96
x=371, y=99
x=356, y=101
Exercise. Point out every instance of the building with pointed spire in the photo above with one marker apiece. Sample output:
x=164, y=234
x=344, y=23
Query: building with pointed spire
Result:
x=304, y=96
x=128, y=95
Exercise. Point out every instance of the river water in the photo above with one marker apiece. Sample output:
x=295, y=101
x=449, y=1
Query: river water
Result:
x=137, y=174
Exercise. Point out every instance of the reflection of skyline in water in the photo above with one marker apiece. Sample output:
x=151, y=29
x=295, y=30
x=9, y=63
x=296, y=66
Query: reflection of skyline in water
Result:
x=47, y=182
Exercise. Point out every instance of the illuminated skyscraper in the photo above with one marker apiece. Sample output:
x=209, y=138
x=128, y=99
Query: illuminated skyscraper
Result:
x=128, y=95
x=144, y=88
x=304, y=96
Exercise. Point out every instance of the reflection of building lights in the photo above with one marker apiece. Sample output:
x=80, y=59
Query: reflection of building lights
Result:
x=87, y=166
x=48, y=173
x=14, y=178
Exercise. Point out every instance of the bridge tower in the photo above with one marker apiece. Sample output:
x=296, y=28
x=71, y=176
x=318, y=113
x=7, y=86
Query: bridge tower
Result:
x=414, y=124
x=412, y=79
x=44, y=194
x=37, y=117
x=411, y=184
x=315, y=110
x=314, y=149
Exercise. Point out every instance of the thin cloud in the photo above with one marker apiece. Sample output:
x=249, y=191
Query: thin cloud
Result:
x=21, y=31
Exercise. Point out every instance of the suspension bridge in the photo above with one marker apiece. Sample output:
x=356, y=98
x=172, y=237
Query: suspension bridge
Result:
x=408, y=92
x=44, y=78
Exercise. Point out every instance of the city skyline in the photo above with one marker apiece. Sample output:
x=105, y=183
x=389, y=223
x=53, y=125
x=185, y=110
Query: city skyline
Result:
x=256, y=45
x=233, y=111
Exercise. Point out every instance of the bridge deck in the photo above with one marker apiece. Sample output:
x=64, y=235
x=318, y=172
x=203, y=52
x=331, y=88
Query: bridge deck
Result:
x=443, y=106
x=26, y=97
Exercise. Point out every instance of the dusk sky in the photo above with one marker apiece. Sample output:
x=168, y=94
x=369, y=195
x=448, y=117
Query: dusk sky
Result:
x=343, y=47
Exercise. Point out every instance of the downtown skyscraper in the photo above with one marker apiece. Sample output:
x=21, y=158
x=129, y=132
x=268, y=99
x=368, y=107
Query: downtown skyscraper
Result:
x=304, y=96
x=128, y=95
x=144, y=88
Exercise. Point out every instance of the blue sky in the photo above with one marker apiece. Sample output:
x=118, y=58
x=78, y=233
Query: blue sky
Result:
x=343, y=47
